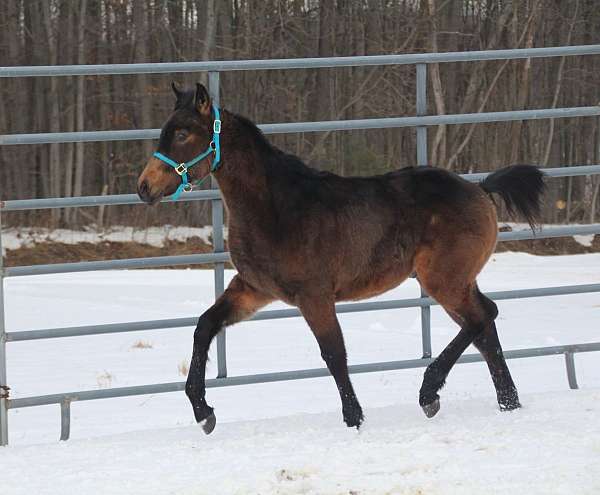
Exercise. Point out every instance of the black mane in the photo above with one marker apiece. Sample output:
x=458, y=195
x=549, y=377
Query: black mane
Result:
x=286, y=162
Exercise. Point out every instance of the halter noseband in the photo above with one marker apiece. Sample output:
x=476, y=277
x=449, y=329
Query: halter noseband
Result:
x=182, y=168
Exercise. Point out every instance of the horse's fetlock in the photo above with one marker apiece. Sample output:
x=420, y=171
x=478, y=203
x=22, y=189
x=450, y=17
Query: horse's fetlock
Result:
x=432, y=373
x=427, y=396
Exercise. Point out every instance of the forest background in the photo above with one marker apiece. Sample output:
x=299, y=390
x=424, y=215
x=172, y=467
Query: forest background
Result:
x=49, y=32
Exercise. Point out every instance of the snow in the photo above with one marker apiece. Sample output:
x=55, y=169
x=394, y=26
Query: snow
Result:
x=585, y=240
x=288, y=438
x=551, y=446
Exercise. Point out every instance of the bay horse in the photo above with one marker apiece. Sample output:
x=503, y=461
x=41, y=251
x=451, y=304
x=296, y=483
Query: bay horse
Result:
x=312, y=238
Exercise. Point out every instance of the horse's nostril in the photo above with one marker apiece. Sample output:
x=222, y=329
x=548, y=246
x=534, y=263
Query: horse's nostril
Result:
x=143, y=189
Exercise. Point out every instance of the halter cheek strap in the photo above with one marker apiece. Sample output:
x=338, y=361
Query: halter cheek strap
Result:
x=182, y=168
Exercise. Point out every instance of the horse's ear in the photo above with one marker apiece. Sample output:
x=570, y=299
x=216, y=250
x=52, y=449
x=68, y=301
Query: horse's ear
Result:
x=175, y=90
x=202, y=100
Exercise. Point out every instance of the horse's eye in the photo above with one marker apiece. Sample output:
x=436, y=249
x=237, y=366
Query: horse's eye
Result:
x=181, y=135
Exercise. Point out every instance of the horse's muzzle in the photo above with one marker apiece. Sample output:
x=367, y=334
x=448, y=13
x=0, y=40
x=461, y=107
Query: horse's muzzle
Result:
x=146, y=195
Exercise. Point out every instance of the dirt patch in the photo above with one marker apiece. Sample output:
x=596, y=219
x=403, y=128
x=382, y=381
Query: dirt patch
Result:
x=59, y=252
x=550, y=247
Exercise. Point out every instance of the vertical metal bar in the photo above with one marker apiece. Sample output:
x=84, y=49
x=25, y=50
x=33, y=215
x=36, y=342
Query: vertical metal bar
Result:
x=65, y=420
x=3, y=381
x=218, y=243
x=422, y=161
x=571, y=373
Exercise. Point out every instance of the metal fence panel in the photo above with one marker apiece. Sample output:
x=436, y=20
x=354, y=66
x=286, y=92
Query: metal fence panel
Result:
x=219, y=257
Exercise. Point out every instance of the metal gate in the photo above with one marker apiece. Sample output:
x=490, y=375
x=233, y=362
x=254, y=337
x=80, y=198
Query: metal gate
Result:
x=219, y=257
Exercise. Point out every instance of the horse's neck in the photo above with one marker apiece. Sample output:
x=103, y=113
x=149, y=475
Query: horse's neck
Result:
x=244, y=185
x=242, y=179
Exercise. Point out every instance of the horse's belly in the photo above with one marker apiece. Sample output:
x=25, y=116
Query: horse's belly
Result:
x=371, y=285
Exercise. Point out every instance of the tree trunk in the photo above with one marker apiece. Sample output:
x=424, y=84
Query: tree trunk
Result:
x=438, y=149
x=140, y=20
x=54, y=172
x=80, y=102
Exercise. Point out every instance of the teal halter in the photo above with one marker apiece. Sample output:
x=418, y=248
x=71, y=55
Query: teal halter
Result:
x=182, y=168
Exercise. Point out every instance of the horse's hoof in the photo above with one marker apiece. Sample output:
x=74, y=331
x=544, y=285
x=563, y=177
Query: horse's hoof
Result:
x=354, y=418
x=509, y=406
x=509, y=400
x=208, y=424
x=432, y=408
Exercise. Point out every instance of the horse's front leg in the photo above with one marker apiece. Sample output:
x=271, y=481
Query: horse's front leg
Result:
x=322, y=320
x=239, y=302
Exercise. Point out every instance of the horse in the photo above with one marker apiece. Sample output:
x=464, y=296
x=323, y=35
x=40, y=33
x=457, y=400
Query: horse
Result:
x=311, y=238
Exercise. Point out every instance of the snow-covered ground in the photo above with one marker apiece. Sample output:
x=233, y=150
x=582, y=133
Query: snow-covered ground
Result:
x=288, y=437
x=550, y=447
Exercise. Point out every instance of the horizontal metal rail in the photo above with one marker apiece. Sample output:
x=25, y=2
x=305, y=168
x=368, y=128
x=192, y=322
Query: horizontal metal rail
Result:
x=137, y=326
x=88, y=266
x=549, y=232
x=554, y=172
x=85, y=395
x=329, y=125
x=202, y=259
x=298, y=63
x=133, y=199
x=107, y=200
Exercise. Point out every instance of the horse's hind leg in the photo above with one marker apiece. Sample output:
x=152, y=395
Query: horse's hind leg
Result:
x=323, y=322
x=466, y=308
x=488, y=344
x=237, y=303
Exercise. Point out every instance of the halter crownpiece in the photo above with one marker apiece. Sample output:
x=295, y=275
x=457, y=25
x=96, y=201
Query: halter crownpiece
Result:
x=182, y=168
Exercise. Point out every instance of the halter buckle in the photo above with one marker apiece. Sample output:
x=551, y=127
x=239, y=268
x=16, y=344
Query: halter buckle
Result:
x=181, y=169
x=217, y=126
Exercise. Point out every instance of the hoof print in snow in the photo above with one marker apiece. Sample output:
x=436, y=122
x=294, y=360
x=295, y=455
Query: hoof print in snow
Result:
x=208, y=424
x=288, y=475
x=432, y=408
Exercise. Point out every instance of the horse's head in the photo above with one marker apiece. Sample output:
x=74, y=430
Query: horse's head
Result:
x=187, y=133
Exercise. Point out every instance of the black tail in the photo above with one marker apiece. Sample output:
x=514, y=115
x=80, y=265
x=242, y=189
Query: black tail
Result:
x=521, y=188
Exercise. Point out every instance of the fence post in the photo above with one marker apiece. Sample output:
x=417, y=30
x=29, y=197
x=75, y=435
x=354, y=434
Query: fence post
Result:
x=571, y=373
x=3, y=382
x=218, y=243
x=422, y=161
x=65, y=420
